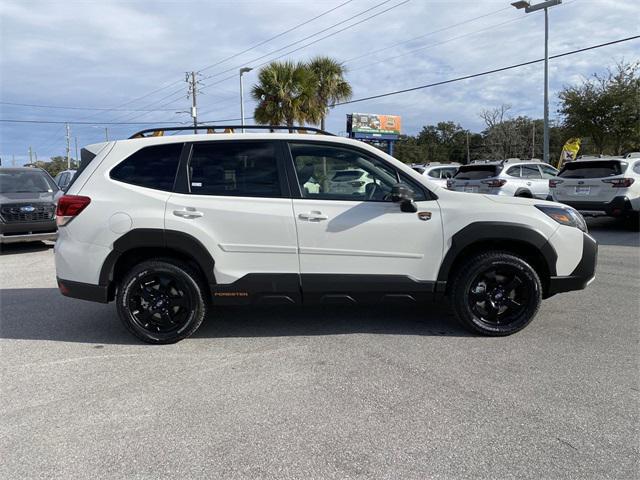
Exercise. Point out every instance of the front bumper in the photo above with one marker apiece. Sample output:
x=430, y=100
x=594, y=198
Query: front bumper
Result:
x=582, y=275
x=27, y=231
x=617, y=207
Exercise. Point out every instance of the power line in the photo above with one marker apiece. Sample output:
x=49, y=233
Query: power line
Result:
x=488, y=72
x=66, y=107
x=275, y=36
x=314, y=35
x=310, y=43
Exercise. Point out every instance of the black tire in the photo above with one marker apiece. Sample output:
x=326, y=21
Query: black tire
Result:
x=161, y=301
x=496, y=293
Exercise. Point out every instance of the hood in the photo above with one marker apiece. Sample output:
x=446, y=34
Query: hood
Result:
x=26, y=197
x=517, y=200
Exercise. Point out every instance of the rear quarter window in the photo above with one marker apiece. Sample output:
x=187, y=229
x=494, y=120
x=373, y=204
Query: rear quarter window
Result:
x=593, y=169
x=477, y=172
x=151, y=167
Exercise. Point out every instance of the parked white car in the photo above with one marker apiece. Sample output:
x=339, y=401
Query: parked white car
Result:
x=349, y=182
x=600, y=186
x=170, y=227
x=512, y=177
x=437, y=172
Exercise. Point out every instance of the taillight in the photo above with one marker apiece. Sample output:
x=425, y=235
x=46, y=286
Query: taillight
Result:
x=620, y=182
x=69, y=206
x=554, y=183
x=495, y=183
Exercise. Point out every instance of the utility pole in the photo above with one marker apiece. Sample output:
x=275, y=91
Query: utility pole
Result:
x=106, y=134
x=243, y=70
x=468, y=154
x=191, y=79
x=13, y=160
x=68, y=147
x=30, y=154
x=533, y=140
x=77, y=158
x=35, y=154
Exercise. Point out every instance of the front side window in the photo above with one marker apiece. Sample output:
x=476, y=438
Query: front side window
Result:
x=548, y=172
x=151, y=167
x=239, y=169
x=339, y=173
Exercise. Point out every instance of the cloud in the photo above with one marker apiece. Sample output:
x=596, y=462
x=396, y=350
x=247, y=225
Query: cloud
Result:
x=105, y=53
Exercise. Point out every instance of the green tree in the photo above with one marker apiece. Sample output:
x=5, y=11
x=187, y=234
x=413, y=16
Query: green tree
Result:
x=56, y=165
x=331, y=87
x=286, y=93
x=605, y=109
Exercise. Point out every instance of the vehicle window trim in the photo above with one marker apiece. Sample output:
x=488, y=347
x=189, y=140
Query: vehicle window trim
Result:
x=295, y=185
x=184, y=185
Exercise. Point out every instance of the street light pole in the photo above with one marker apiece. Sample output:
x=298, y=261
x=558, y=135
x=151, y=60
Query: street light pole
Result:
x=528, y=8
x=242, y=71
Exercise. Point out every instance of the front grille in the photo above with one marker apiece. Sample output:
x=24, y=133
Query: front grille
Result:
x=19, y=212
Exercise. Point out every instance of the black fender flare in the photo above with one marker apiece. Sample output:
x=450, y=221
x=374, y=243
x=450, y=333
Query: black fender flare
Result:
x=499, y=231
x=158, y=238
x=522, y=190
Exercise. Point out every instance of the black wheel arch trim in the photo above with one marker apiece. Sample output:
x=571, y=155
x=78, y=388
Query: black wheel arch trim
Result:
x=478, y=232
x=158, y=238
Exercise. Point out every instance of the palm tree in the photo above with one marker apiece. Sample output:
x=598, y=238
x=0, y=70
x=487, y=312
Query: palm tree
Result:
x=331, y=87
x=286, y=94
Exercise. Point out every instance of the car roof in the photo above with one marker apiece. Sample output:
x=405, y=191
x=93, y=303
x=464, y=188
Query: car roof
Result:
x=21, y=169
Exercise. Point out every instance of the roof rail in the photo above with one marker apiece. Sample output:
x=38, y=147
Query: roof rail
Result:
x=159, y=131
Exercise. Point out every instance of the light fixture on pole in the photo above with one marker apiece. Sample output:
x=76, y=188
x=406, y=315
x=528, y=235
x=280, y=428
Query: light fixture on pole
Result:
x=528, y=8
x=243, y=70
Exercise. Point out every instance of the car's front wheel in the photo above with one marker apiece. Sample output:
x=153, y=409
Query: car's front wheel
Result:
x=161, y=301
x=496, y=293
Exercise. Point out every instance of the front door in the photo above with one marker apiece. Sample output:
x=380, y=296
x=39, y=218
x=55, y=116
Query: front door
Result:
x=352, y=238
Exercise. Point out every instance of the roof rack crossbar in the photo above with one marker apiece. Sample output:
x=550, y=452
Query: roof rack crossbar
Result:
x=207, y=128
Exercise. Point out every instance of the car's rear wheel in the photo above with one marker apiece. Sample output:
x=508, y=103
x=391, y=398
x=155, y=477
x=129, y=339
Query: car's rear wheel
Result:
x=496, y=293
x=161, y=301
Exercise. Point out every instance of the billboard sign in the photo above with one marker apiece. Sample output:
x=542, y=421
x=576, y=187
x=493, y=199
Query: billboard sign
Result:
x=374, y=125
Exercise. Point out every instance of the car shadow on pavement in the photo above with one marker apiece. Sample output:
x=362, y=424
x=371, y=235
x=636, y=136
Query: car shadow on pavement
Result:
x=44, y=314
x=613, y=231
x=27, y=247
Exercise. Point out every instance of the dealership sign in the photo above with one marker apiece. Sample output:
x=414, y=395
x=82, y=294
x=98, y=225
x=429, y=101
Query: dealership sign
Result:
x=373, y=125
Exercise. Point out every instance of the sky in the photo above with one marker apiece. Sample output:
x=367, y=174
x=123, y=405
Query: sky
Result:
x=115, y=61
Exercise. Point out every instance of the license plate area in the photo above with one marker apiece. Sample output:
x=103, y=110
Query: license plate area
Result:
x=582, y=190
x=471, y=189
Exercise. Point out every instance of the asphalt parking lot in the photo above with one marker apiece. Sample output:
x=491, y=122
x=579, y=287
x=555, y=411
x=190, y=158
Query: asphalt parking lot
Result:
x=322, y=393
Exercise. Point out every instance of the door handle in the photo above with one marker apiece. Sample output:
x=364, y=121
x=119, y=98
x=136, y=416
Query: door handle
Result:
x=314, y=216
x=528, y=183
x=188, y=212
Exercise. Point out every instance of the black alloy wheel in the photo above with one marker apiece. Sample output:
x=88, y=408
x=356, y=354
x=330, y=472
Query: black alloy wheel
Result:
x=496, y=293
x=161, y=301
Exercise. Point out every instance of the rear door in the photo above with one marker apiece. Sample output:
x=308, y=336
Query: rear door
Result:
x=582, y=181
x=532, y=179
x=234, y=199
x=361, y=240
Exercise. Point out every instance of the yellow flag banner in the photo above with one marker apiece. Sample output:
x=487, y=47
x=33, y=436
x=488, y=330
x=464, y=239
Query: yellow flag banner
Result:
x=569, y=151
x=158, y=133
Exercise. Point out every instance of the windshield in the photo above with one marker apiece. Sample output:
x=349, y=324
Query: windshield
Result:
x=477, y=172
x=25, y=181
x=593, y=169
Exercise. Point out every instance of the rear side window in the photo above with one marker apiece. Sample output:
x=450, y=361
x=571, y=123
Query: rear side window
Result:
x=593, y=169
x=151, y=167
x=435, y=173
x=240, y=169
x=514, y=171
x=530, y=171
x=477, y=172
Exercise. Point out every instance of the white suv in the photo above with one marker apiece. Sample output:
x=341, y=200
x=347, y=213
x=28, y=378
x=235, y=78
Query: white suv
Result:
x=170, y=226
x=437, y=172
x=512, y=177
x=609, y=186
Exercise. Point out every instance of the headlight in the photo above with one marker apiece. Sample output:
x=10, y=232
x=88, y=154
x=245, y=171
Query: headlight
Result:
x=565, y=216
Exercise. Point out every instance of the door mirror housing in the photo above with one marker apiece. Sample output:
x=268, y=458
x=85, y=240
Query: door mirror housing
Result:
x=402, y=194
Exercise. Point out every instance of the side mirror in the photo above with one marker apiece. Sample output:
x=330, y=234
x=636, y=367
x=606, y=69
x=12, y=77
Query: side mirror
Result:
x=402, y=194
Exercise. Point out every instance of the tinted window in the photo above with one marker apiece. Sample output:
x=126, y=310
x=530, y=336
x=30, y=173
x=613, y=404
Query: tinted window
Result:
x=514, y=171
x=239, y=169
x=448, y=172
x=151, y=167
x=636, y=167
x=320, y=171
x=593, y=169
x=477, y=172
x=530, y=171
x=435, y=173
